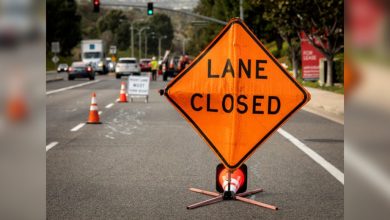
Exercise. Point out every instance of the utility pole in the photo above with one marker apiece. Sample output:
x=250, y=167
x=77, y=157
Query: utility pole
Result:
x=159, y=45
x=132, y=35
x=241, y=10
x=146, y=42
x=139, y=40
x=132, y=39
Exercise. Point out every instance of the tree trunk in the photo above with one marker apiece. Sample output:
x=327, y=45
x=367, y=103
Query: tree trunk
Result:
x=279, y=43
x=329, y=71
x=295, y=64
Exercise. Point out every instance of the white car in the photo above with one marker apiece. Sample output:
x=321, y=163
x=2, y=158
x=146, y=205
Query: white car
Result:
x=127, y=66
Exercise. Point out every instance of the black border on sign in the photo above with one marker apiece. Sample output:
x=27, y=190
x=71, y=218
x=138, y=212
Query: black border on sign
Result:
x=178, y=77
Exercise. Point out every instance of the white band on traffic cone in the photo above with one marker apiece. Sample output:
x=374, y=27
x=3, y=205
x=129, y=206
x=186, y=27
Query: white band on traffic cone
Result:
x=93, y=108
x=234, y=185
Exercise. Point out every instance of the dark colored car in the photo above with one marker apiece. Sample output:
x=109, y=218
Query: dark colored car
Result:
x=145, y=65
x=63, y=67
x=80, y=70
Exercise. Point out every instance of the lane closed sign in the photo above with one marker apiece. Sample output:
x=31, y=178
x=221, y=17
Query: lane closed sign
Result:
x=235, y=94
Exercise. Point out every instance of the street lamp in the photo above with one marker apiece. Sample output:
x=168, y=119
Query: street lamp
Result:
x=146, y=42
x=132, y=35
x=159, y=45
x=139, y=42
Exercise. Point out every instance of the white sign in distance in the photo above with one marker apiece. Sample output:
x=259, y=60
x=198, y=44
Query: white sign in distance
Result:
x=138, y=86
x=112, y=49
x=55, y=59
x=55, y=47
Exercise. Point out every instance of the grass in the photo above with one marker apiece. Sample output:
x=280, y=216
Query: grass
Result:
x=51, y=66
x=335, y=88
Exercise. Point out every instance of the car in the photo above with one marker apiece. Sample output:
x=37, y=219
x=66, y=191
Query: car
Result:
x=80, y=70
x=62, y=67
x=127, y=66
x=145, y=65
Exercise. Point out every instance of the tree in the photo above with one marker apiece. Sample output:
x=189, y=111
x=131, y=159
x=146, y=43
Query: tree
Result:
x=323, y=22
x=225, y=10
x=161, y=25
x=279, y=13
x=63, y=24
x=123, y=36
x=111, y=21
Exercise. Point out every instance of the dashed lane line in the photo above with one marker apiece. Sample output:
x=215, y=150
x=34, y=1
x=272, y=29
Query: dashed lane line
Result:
x=51, y=145
x=110, y=105
x=77, y=127
x=72, y=87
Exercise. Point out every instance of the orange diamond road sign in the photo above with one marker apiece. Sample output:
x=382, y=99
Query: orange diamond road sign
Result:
x=235, y=94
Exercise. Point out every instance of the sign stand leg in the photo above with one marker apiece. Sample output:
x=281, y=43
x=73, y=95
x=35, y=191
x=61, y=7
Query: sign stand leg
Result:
x=228, y=195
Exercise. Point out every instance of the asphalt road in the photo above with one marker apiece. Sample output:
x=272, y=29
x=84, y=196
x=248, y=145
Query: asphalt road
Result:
x=140, y=162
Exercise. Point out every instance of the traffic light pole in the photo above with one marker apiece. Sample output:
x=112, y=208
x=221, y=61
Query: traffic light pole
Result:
x=111, y=3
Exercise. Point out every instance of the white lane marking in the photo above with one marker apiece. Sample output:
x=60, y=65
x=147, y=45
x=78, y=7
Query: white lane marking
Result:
x=100, y=112
x=72, y=87
x=77, y=127
x=109, y=105
x=313, y=155
x=117, y=100
x=367, y=169
x=51, y=145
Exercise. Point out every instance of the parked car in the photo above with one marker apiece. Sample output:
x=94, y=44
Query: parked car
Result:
x=127, y=66
x=62, y=67
x=80, y=70
x=145, y=65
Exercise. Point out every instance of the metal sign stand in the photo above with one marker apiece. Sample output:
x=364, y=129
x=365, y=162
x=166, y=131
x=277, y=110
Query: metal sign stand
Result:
x=146, y=98
x=229, y=195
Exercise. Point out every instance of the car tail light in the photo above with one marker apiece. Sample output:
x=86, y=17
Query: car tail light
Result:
x=70, y=69
x=89, y=69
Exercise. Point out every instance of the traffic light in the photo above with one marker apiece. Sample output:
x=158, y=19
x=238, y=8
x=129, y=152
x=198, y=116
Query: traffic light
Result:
x=150, y=8
x=96, y=5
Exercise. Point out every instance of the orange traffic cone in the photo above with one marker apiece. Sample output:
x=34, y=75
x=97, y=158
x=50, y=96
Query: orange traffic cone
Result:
x=236, y=182
x=93, y=111
x=122, y=95
x=16, y=109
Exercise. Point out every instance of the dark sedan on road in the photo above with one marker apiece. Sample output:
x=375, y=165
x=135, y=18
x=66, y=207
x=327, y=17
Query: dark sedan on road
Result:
x=80, y=70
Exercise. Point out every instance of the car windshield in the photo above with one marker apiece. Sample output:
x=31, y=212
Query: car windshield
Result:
x=63, y=65
x=90, y=55
x=78, y=65
x=127, y=61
